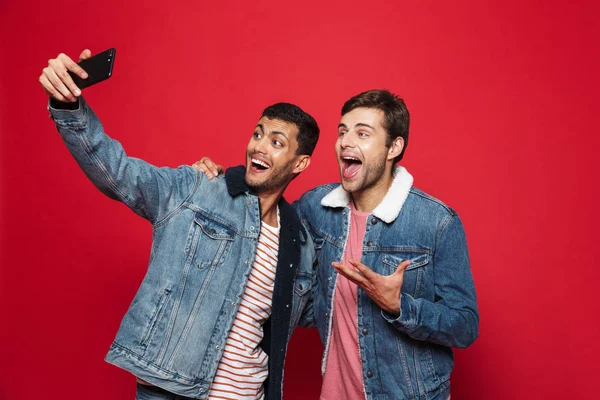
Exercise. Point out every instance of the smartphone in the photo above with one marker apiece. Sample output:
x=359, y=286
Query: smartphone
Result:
x=98, y=68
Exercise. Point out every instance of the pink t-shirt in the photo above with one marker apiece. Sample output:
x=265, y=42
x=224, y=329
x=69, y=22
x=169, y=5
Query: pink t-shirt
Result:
x=343, y=371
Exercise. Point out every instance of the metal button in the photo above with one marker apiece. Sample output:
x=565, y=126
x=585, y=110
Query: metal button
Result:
x=365, y=331
x=374, y=220
x=201, y=390
x=251, y=228
x=218, y=347
x=247, y=262
x=329, y=278
x=212, y=231
x=287, y=305
x=369, y=243
x=233, y=303
x=291, y=265
x=369, y=374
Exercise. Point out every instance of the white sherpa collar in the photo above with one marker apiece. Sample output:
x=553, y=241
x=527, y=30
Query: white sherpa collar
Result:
x=390, y=206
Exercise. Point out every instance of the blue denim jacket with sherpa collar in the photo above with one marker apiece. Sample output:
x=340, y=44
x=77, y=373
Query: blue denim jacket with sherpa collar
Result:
x=409, y=356
x=205, y=235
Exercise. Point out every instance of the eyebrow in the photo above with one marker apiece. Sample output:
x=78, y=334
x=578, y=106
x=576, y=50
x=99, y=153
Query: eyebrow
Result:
x=358, y=124
x=262, y=128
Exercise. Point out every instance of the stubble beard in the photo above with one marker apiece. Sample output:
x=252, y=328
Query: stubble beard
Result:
x=277, y=179
x=371, y=175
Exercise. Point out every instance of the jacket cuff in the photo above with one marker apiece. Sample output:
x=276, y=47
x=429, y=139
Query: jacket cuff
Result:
x=407, y=311
x=67, y=113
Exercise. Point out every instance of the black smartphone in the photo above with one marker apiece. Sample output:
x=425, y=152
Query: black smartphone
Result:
x=98, y=68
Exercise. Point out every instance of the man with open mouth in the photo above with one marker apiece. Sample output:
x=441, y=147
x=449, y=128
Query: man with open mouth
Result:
x=394, y=289
x=230, y=275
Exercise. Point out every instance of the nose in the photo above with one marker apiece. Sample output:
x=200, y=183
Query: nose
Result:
x=261, y=146
x=346, y=140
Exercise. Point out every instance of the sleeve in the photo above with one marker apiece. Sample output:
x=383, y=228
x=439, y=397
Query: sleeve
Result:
x=452, y=319
x=149, y=191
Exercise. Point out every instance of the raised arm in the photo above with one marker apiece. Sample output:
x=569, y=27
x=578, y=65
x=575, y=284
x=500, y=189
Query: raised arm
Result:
x=153, y=193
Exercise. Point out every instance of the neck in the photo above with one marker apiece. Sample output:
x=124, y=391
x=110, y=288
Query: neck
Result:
x=367, y=199
x=268, y=206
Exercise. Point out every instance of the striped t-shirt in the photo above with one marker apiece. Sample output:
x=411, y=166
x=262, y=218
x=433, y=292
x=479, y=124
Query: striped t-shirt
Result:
x=244, y=365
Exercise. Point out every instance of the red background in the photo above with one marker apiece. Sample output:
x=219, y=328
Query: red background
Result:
x=503, y=97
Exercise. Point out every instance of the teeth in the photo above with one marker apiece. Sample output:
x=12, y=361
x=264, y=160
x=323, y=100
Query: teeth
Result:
x=263, y=164
x=350, y=158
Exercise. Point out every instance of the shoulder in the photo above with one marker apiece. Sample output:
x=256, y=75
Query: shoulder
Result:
x=315, y=194
x=428, y=203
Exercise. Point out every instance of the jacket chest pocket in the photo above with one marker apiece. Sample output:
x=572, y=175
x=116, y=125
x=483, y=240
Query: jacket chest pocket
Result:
x=208, y=242
x=414, y=276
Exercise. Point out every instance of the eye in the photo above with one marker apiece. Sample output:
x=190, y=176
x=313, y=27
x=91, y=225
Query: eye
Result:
x=341, y=133
x=362, y=134
x=277, y=143
x=256, y=135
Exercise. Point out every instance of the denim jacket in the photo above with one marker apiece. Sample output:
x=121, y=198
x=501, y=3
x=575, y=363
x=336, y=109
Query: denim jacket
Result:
x=205, y=235
x=409, y=356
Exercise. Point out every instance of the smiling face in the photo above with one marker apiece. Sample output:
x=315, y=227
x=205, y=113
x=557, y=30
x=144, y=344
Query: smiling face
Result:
x=271, y=159
x=362, y=151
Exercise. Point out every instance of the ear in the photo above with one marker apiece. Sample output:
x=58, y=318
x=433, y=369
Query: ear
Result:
x=302, y=162
x=395, y=148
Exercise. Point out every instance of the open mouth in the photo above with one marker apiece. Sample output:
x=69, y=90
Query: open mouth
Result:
x=350, y=166
x=259, y=165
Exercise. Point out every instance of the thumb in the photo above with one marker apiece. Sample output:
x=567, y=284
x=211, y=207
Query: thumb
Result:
x=85, y=54
x=402, y=267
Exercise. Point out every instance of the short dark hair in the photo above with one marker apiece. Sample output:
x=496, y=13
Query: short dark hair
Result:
x=396, y=118
x=308, y=130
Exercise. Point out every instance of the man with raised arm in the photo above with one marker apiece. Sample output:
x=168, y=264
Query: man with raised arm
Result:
x=231, y=269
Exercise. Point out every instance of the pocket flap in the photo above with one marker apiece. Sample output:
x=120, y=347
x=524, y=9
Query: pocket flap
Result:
x=303, y=284
x=415, y=262
x=214, y=229
x=318, y=242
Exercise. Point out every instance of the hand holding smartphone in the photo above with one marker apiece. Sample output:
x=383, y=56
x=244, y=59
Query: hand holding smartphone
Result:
x=98, y=68
x=63, y=79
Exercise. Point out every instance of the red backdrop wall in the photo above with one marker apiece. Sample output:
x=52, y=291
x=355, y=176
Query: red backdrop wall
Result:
x=503, y=97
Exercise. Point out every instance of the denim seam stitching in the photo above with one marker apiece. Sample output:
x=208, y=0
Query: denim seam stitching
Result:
x=176, y=210
x=423, y=195
x=221, y=221
x=98, y=163
x=125, y=350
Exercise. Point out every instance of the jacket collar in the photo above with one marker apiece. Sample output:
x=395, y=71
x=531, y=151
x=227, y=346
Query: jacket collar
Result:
x=390, y=206
x=235, y=179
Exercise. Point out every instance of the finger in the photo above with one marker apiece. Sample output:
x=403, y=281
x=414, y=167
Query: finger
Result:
x=73, y=67
x=214, y=168
x=200, y=166
x=50, y=89
x=350, y=274
x=57, y=74
x=66, y=78
x=402, y=267
x=85, y=55
x=61, y=65
x=363, y=269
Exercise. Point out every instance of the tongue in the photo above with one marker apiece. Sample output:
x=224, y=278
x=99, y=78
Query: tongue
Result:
x=351, y=169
